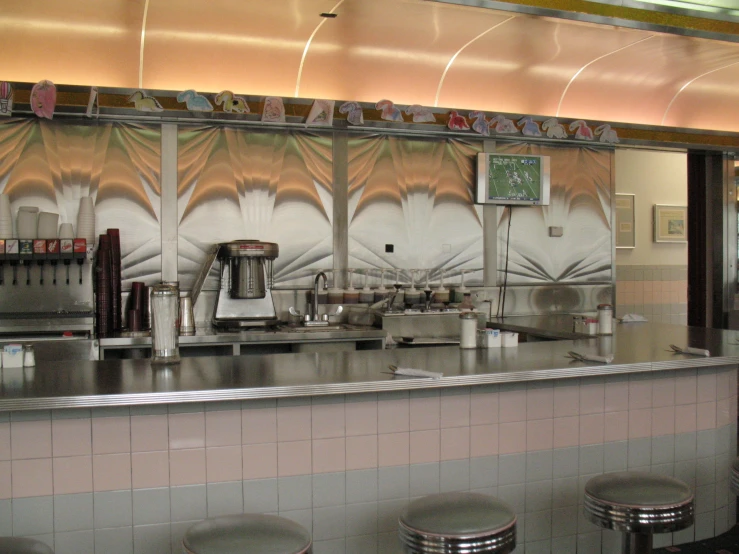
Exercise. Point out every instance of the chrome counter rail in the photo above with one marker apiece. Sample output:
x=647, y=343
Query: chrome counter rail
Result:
x=282, y=334
x=638, y=347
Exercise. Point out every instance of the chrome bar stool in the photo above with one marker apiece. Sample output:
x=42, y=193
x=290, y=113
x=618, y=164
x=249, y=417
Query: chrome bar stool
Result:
x=18, y=545
x=734, y=477
x=457, y=523
x=252, y=533
x=638, y=504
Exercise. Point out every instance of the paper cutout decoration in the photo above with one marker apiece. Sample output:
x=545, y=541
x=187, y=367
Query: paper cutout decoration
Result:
x=530, y=127
x=321, y=113
x=481, y=124
x=6, y=98
x=583, y=131
x=195, y=102
x=145, y=103
x=554, y=128
x=503, y=125
x=457, y=122
x=93, y=104
x=420, y=114
x=274, y=110
x=606, y=134
x=353, y=111
x=43, y=99
x=389, y=111
x=231, y=103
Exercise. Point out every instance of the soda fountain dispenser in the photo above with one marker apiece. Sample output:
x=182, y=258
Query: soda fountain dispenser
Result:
x=39, y=254
x=66, y=253
x=52, y=253
x=26, y=256
x=12, y=254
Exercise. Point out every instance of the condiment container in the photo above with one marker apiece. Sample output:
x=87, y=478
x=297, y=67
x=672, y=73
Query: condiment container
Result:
x=508, y=339
x=488, y=338
x=605, y=319
x=12, y=355
x=468, y=330
x=165, y=304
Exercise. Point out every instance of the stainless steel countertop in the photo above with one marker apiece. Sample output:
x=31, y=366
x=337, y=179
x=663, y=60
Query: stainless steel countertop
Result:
x=283, y=334
x=638, y=347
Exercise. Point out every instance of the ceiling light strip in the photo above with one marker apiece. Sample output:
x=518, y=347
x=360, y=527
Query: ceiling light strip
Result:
x=591, y=62
x=307, y=45
x=686, y=85
x=458, y=52
x=141, y=48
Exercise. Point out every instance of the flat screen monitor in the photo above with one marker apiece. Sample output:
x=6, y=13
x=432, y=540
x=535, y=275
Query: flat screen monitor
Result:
x=511, y=179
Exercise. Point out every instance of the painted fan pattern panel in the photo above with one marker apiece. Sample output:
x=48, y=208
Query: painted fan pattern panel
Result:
x=580, y=203
x=417, y=195
x=271, y=186
x=51, y=165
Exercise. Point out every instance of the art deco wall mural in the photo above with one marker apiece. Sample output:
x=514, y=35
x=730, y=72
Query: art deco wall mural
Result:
x=51, y=165
x=416, y=198
x=244, y=184
x=580, y=203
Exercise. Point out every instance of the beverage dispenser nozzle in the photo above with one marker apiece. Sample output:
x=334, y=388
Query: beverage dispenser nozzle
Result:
x=39, y=254
x=66, y=249
x=26, y=256
x=80, y=252
x=12, y=254
x=52, y=253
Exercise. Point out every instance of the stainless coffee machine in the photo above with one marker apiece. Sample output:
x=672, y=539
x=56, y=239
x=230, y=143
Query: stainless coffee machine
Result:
x=244, y=293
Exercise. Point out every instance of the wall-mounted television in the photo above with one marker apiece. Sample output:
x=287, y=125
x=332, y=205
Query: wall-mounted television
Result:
x=511, y=179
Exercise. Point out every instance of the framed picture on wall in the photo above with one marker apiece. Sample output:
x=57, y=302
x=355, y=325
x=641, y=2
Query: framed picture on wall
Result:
x=670, y=223
x=625, y=230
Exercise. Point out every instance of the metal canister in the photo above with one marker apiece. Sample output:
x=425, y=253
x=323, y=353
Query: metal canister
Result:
x=164, y=327
x=468, y=330
x=187, y=317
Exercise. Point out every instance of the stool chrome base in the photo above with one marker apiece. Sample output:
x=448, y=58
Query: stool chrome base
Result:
x=639, y=505
x=457, y=523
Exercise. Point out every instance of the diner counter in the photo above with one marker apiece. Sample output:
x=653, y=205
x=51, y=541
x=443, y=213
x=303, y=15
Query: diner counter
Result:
x=637, y=347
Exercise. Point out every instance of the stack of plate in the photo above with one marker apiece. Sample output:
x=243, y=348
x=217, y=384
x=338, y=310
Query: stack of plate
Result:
x=86, y=220
x=27, y=222
x=48, y=224
x=6, y=218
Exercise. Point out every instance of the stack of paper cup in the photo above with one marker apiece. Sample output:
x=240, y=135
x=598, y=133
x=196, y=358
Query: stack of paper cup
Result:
x=86, y=220
x=66, y=231
x=6, y=218
x=48, y=224
x=26, y=222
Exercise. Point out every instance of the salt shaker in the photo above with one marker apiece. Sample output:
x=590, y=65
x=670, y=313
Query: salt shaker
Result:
x=29, y=356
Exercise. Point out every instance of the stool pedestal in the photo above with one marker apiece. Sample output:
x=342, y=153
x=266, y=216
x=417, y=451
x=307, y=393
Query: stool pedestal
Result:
x=638, y=504
x=457, y=523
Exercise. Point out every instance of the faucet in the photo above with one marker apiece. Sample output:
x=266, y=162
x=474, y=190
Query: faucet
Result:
x=314, y=315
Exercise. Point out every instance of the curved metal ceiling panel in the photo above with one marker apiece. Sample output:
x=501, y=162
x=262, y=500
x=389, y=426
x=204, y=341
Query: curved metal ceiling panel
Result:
x=638, y=83
x=71, y=41
x=389, y=49
x=252, y=47
x=524, y=66
x=409, y=51
x=709, y=102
